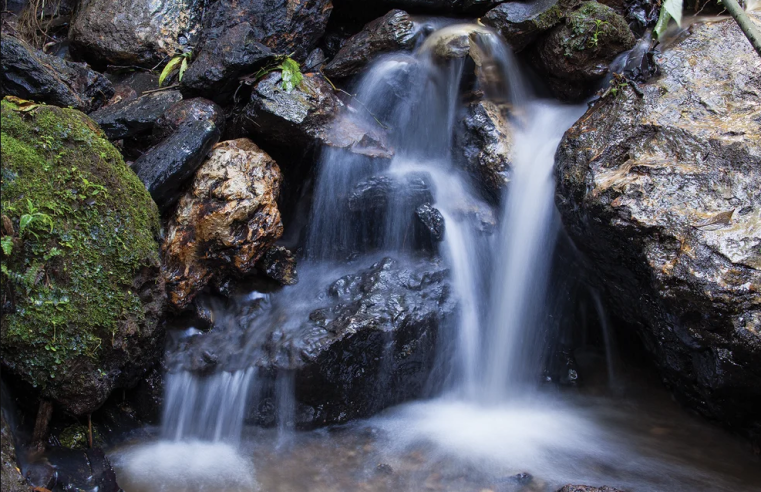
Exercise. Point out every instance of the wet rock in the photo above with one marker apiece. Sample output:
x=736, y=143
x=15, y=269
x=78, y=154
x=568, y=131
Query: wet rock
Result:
x=83, y=469
x=306, y=116
x=226, y=221
x=279, y=264
x=661, y=192
x=456, y=41
x=130, y=118
x=520, y=23
x=214, y=73
x=377, y=192
x=165, y=168
x=587, y=488
x=314, y=61
x=139, y=32
x=196, y=109
x=485, y=146
x=31, y=74
x=432, y=219
x=577, y=53
x=394, y=31
x=83, y=284
x=11, y=478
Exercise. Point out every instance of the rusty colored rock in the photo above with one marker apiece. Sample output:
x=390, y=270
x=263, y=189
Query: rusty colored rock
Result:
x=226, y=221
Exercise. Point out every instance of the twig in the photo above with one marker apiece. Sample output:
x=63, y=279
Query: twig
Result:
x=89, y=428
x=162, y=89
x=747, y=26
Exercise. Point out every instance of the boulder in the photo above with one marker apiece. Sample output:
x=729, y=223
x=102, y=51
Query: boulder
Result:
x=307, y=115
x=394, y=31
x=31, y=74
x=238, y=35
x=168, y=166
x=662, y=193
x=432, y=220
x=279, y=264
x=81, y=290
x=484, y=147
x=226, y=221
x=376, y=193
x=577, y=53
x=520, y=23
x=196, y=109
x=139, y=32
x=129, y=118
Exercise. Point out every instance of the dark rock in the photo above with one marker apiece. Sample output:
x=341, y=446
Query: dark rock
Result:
x=31, y=74
x=520, y=23
x=11, y=478
x=170, y=164
x=485, y=147
x=196, y=109
x=661, y=192
x=279, y=264
x=85, y=285
x=130, y=118
x=306, y=116
x=81, y=469
x=148, y=396
x=377, y=192
x=433, y=221
x=314, y=61
x=139, y=32
x=394, y=31
x=577, y=53
x=215, y=71
x=587, y=488
x=225, y=223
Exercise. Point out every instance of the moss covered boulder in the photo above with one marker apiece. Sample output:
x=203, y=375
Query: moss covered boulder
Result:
x=81, y=294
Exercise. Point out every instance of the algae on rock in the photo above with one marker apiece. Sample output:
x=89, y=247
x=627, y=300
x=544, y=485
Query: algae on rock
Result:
x=81, y=294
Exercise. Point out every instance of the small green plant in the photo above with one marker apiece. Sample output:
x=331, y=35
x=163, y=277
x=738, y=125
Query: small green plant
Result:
x=290, y=68
x=671, y=9
x=7, y=244
x=177, y=62
x=595, y=39
x=33, y=216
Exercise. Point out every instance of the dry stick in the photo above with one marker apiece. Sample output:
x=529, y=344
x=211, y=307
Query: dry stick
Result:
x=747, y=26
x=89, y=428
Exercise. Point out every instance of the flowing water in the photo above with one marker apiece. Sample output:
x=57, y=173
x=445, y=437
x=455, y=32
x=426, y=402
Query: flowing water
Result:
x=493, y=425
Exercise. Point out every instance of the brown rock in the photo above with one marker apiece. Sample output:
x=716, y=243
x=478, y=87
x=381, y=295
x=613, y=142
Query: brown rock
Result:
x=225, y=223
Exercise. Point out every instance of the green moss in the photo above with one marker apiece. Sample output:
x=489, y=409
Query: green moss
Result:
x=591, y=25
x=77, y=436
x=93, y=226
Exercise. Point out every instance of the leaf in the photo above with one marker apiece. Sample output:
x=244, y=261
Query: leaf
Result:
x=22, y=104
x=169, y=68
x=7, y=244
x=671, y=9
x=183, y=67
x=292, y=76
x=662, y=24
x=24, y=222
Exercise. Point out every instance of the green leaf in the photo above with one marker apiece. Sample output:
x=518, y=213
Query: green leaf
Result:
x=169, y=68
x=24, y=222
x=671, y=9
x=7, y=244
x=183, y=67
x=292, y=76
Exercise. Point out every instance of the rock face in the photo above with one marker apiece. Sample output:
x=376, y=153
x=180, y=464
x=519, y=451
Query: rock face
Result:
x=81, y=290
x=225, y=223
x=169, y=165
x=485, y=146
x=239, y=34
x=662, y=192
x=520, y=23
x=579, y=51
x=394, y=31
x=132, y=117
x=306, y=115
x=31, y=74
x=138, y=32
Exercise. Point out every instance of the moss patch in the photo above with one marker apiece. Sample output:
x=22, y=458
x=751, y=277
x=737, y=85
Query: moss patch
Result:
x=77, y=226
x=593, y=25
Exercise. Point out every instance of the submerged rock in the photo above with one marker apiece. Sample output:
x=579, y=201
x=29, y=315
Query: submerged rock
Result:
x=520, y=23
x=81, y=290
x=662, y=193
x=485, y=145
x=132, y=117
x=225, y=223
x=31, y=74
x=138, y=32
x=308, y=115
x=578, y=52
x=432, y=220
x=279, y=264
x=394, y=31
x=165, y=168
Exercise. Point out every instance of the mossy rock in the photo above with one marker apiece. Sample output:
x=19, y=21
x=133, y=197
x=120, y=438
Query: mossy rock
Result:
x=81, y=290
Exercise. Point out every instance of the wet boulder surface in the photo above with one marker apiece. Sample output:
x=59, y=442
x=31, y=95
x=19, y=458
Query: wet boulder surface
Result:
x=31, y=74
x=661, y=191
x=226, y=221
x=365, y=341
x=393, y=32
x=138, y=32
x=80, y=260
x=521, y=23
x=187, y=110
x=129, y=118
